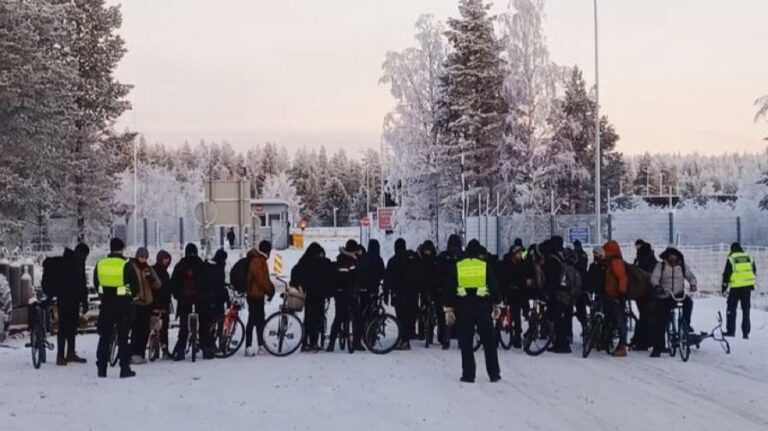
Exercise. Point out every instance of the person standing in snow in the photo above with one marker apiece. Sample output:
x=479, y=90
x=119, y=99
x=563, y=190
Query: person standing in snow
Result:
x=669, y=278
x=259, y=288
x=71, y=296
x=370, y=274
x=314, y=275
x=401, y=281
x=231, y=238
x=431, y=288
x=513, y=277
x=149, y=282
x=446, y=261
x=191, y=287
x=616, y=283
x=474, y=299
x=739, y=276
x=162, y=297
x=345, y=284
x=117, y=284
x=217, y=275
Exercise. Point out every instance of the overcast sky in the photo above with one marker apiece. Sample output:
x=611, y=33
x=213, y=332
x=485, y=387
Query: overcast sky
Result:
x=676, y=75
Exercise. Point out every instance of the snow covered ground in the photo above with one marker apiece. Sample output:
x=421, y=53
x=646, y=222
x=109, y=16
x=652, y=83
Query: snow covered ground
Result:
x=404, y=390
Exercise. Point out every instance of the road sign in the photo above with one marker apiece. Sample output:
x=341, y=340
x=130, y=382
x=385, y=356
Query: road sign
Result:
x=365, y=222
x=386, y=217
x=206, y=213
x=580, y=233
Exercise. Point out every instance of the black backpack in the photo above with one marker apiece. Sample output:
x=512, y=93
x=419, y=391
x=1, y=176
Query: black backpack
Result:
x=54, y=271
x=238, y=275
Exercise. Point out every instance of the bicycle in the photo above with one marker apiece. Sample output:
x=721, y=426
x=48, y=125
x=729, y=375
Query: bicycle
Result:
x=382, y=329
x=155, y=327
x=283, y=330
x=600, y=332
x=427, y=320
x=228, y=331
x=541, y=330
x=38, y=323
x=631, y=318
x=193, y=324
x=716, y=334
x=505, y=328
x=678, y=330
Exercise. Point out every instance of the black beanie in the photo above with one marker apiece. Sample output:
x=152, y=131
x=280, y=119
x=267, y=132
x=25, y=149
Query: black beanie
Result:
x=190, y=250
x=116, y=244
x=82, y=249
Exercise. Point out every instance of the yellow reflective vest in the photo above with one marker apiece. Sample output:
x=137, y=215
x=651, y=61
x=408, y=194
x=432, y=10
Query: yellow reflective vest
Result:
x=111, y=275
x=743, y=274
x=472, y=274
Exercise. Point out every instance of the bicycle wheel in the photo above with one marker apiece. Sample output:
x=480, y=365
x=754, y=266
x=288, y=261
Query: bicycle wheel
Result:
x=671, y=339
x=682, y=338
x=351, y=337
x=504, y=334
x=382, y=334
x=36, y=342
x=539, y=336
x=228, y=336
x=591, y=335
x=153, y=347
x=726, y=346
x=283, y=333
x=114, y=351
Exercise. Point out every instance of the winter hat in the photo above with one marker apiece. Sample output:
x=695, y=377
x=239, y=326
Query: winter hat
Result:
x=265, y=247
x=190, y=250
x=518, y=243
x=454, y=243
x=557, y=243
x=736, y=248
x=598, y=250
x=374, y=249
x=162, y=255
x=142, y=252
x=220, y=257
x=577, y=245
x=116, y=245
x=429, y=248
x=400, y=246
x=351, y=246
x=474, y=249
x=82, y=249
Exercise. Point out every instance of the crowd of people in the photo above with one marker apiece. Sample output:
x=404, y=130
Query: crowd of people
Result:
x=465, y=287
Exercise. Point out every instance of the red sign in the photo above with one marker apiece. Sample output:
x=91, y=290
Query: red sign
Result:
x=386, y=217
x=303, y=224
x=365, y=222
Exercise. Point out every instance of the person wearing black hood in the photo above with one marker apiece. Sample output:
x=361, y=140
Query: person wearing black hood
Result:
x=162, y=299
x=669, y=278
x=555, y=286
x=446, y=261
x=645, y=259
x=314, y=275
x=117, y=284
x=346, y=282
x=430, y=289
x=513, y=275
x=476, y=298
x=582, y=260
x=401, y=281
x=218, y=279
x=370, y=274
x=191, y=287
x=70, y=298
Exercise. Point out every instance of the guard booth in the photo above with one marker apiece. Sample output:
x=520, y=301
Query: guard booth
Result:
x=270, y=222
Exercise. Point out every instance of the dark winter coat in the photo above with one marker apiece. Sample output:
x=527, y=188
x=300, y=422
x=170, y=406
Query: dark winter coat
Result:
x=218, y=279
x=346, y=272
x=370, y=272
x=554, y=281
x=189, y=281
x=402, y=275
x=315, y=276
x=595, y=282
x=163, y=295
x=646, y=259
x=73, y=289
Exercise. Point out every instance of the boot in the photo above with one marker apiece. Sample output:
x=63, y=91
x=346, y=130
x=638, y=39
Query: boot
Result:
x=621, y=351
x=126, y=373
x=102, y=370
x=72, y=357
x=61, y=361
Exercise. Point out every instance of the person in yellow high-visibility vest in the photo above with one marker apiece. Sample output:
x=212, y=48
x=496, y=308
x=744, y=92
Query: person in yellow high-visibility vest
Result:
x=739, y=276
x=474, y=296
x=117, y=285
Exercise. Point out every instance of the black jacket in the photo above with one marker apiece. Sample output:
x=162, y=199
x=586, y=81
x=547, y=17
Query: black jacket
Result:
x=218, y=283
x=74, y=288
x=595, y=282
x=315, y=276
x=553, y=274
x=370, y=273
x=346, y=272
x=402, y=275
x=429, y=277
x=162, y=296
x=189, y=281
x=452, y=297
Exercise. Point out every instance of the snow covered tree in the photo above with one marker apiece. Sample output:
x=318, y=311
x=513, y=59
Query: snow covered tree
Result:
x=304, y=176
x=93, y=44
x=762, y=108
x=37, y=105
x=411, y=129
x=281, y=187
x=334, y=196
x=472, y=106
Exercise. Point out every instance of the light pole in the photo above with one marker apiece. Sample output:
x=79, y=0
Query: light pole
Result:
x=135, y=192
x=335, y=210
x=598, y=232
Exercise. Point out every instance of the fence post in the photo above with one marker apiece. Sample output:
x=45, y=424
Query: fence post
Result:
x=671, y=228
x=146, y=233
x=738, y=229
x=610, y=227
x=181, y=233
x=551, y=225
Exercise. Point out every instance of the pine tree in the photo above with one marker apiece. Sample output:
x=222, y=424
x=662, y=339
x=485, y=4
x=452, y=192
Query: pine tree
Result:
x=96, y=150
x=280, y=187
x=473, y=108
x=334, y=196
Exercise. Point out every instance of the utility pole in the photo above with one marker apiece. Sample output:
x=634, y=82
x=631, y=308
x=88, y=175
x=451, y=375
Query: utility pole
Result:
x=598, y=232
x=135, y=192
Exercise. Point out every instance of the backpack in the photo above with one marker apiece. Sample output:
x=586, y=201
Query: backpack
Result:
x=238, y=275
x=638, y=281
x=54, y=273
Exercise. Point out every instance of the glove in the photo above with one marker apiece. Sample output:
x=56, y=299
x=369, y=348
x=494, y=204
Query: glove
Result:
x=725, y=288
x=694, y=288
x=496, y=312
x=450, y=316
